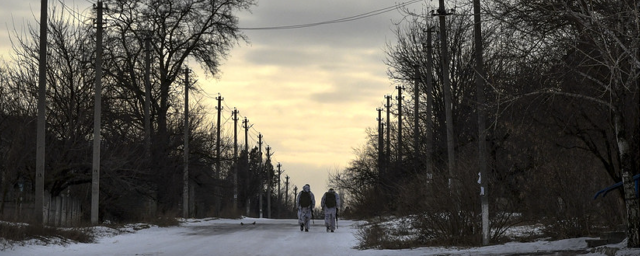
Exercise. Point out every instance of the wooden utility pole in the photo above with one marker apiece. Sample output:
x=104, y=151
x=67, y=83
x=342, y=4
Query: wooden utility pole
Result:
x=42, y=107
x=260, y=178
x=399, y=149
x=97, y=111
x=482, y=131
x=235, y=159
x=185, y=173
x=442, y=13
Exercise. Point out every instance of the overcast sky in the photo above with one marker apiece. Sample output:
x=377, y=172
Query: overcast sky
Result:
x=311, y=92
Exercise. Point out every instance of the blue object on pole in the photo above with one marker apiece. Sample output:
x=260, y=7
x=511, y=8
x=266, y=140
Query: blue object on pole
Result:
x=604, y=192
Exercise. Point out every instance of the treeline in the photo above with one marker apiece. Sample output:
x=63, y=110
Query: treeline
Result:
x=562, y=105
x=138, y=180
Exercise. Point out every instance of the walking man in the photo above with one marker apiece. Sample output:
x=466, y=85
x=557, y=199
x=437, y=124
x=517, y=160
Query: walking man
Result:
x=330, y=204
x=306, y=201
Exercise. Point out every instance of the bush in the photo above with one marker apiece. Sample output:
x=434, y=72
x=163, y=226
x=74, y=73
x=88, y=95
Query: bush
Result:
x=18, y=233
x=385, y=236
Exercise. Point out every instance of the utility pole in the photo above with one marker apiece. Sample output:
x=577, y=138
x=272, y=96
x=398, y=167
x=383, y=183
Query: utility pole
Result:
x=269, y=183
x=295, y=197
x=482, y=132
x=380, y=144
x=218, y=156
x=42, y=91
x=416, y=116
x=399, y=150
x=286, y=193
x=429, y=92
x=95, y=176
x=442, y=13
x=218, y=153
x=235, y=159
x=279, y=202
x=185, y=173
x=147, y=97
x=147, y=113
x=388, y=148
x=261, y=186
x=245, y=125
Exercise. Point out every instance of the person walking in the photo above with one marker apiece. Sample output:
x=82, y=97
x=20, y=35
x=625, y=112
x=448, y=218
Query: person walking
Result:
x=330, y=204
x=305, y=203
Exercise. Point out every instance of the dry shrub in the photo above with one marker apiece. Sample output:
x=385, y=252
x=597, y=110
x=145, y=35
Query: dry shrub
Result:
x=229, y=213
x=168, y=219
x=380, y=236
x=17, y=233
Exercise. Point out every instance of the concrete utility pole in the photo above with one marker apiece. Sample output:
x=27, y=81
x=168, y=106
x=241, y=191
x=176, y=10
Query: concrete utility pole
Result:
x=218, y=156
x=380, y=143
x=245, y=125
x=387, y=163
x=147, y=97
x=429, y=92
x=399, y=150
x=261, y=186
x=218, y=153
x=95, y=176
x=286, y=191
x=279, y=202
x=269, y=183
x=295, y=197
x=235, y=159
x=442, y=13
x=42, y=107
x=147, y=114
x=416, y=116
x=482, y=132
x=185, y=173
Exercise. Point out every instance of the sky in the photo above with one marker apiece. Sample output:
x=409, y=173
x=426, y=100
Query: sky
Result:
x=311, y=92
x=282, y=238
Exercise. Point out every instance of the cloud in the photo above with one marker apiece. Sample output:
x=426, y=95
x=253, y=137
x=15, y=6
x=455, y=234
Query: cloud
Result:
x=353, y=34
x=311, y=92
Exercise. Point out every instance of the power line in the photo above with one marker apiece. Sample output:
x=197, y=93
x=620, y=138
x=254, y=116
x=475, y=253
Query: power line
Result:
x=347, y=19
x=253, y=132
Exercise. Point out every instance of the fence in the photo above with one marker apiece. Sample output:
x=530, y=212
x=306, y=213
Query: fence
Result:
x=58, y=211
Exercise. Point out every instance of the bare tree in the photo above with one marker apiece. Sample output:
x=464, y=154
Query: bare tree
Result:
x=179, y=29
x=599, y=69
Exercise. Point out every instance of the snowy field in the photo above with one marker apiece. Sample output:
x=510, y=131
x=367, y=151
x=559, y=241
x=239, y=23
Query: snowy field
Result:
x=281, y=238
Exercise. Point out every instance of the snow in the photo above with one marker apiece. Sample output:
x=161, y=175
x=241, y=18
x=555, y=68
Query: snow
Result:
x=276, y=237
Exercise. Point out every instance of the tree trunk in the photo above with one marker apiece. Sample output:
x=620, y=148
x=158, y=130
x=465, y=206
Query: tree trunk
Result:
x=633, y=212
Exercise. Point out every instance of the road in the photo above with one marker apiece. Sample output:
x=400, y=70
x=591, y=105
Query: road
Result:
x=268, y=237
x=216, y=237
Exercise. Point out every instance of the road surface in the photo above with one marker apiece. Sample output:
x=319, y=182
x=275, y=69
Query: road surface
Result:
x=267, y=237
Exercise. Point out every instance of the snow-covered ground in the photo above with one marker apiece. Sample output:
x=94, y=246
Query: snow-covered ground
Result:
x=278, y=237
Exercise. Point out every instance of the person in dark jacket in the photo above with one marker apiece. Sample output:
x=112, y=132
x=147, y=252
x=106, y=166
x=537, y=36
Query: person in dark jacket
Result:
x=330, y=204
x=305, y=203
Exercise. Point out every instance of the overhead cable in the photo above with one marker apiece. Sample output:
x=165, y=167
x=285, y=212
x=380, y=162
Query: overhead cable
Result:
x=347, y=19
